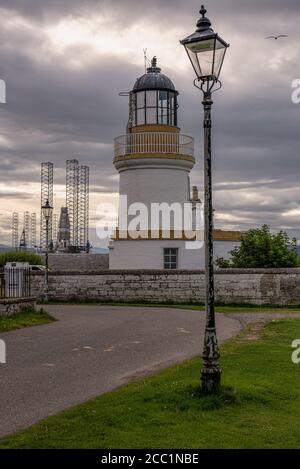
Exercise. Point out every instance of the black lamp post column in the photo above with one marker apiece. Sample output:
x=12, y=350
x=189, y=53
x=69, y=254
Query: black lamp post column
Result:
x=46, y=293
x=211, y=371
x=206, y=51
x=47, y=213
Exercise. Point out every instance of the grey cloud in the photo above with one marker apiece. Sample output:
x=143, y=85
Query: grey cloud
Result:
x=45, y=10
x=15, y=194
x=125, y=12
x=55, y=112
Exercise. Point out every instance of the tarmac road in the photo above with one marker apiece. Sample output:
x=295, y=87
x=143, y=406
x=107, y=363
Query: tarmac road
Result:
x=91, y=350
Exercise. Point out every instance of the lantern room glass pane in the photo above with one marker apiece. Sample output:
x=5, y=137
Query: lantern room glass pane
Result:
x=171, y=101
x=132, y=107
x=172, y=119
x=140, y=116
x=163, y=115
x=151, y=99
x=151, y=115
x=172, y=109
x=154, y=107
x=140, y=99
x=163, y=98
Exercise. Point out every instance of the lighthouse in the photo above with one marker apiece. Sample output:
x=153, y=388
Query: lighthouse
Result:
x=154, y=160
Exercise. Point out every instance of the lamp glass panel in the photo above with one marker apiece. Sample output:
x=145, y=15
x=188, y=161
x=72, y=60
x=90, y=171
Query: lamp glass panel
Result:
x=47, y=212
x=194, y=61
x=219, y=56
x=201, y=54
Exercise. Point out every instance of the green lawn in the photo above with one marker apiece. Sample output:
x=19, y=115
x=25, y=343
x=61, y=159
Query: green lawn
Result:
x=238, y=308
x=258, y=408
x=201, y=307
x=218, y=308
x=27, y=318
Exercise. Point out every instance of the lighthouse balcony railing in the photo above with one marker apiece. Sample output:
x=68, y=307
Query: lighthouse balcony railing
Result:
x=154, y=142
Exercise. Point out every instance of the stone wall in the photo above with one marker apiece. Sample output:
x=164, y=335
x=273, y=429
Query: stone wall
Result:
x=10, y=306
x=79, y=262
x=240, y=286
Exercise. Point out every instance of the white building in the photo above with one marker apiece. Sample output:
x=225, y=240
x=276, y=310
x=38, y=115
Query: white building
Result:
x=154, y=161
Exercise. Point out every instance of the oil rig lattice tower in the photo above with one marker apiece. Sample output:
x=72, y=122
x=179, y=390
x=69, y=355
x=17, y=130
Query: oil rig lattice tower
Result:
x=46, y=194
x=77, y=201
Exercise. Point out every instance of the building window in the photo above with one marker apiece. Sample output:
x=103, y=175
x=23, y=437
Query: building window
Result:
x=170, y=258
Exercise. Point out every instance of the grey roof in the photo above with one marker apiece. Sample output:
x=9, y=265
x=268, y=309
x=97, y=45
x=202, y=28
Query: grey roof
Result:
x=154, y=80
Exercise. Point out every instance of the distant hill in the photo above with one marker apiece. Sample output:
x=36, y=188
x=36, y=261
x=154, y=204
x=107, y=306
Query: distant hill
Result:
x=4, y=248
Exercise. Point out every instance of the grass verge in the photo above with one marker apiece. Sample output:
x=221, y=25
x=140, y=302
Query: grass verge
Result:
x=199, y=306
x=259, y=406
x=26, y=318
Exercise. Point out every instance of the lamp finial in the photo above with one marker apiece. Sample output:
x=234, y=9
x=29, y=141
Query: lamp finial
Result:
x=203, y=11
x=203, y=23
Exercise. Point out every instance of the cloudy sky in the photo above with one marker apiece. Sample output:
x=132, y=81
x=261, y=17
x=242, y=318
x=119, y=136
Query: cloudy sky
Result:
x=65, y=61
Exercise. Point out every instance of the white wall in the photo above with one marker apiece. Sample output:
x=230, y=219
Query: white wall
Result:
x=156, y=180
x=130, y=255
x=144, y=254
x=148, y=185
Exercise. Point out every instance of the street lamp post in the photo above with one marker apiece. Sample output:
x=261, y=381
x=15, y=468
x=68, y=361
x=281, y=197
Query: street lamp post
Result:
x=47, y=212
x=206, y=51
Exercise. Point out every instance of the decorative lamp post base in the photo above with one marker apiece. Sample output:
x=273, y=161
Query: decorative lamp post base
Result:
x=211, y=371
x=211, y=380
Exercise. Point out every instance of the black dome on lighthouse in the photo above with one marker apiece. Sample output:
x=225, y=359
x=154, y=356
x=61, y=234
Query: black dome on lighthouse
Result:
x=154, y=80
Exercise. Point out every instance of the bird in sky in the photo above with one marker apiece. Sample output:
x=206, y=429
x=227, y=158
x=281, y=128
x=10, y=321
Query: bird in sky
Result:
x=276, y=37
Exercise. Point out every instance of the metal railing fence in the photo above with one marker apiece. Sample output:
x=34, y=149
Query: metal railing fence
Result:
x=15, y=283
x=154, y=142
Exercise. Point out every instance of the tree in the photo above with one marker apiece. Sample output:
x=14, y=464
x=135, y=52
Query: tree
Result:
x=20, y=256
x=260, y=248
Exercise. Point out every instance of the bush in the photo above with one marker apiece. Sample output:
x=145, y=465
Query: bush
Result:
x=261, y=249
x=20, y=256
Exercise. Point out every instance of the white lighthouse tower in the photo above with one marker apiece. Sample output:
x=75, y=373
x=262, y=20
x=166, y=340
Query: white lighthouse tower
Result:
x=154, y=161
